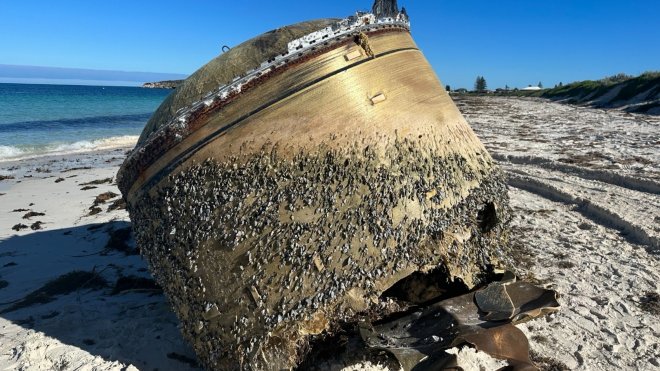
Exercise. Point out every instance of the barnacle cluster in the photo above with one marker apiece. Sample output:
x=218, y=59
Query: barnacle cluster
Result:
x=260, y=250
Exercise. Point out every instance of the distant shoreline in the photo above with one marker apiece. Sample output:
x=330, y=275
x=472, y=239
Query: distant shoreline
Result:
x=79, y=76
x=67, y=82
x=166, y=84
x=639, y=94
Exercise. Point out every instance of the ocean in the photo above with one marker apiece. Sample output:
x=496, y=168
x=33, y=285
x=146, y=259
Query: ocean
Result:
x=55, y=119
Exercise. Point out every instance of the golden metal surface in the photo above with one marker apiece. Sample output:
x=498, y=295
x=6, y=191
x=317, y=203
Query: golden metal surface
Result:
x=356, y=170
x=378, y=99
x=338, y=104
x=353, y=55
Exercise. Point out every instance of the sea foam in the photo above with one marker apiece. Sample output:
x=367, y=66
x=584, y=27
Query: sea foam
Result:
x=12, y=153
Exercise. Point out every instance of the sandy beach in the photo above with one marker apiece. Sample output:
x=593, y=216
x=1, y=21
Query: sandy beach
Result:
x=116, y=319
x=584, y=185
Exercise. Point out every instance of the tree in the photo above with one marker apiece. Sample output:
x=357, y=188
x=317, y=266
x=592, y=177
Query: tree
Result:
x=561, y=84
x=480, y=84
x=540, y=85
x=448, y=88
x=506, y=87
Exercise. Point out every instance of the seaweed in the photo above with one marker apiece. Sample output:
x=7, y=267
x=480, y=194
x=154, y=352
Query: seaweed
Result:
x=131, y=283
x=31, y=214
x=97, y=182
x=118, y=241
x=65, y=284
x=77, y=168
x=94, y=210
x=103, y=197
x=119, y=204
x=36, y=226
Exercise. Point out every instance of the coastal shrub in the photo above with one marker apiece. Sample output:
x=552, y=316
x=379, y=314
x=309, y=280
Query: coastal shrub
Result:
x=629, y=87
x=633, y=87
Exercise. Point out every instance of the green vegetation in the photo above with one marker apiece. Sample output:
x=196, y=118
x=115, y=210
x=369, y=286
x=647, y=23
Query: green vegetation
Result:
x=480, y=84
x=634, y=94
x=583, y=91
x=646, y=81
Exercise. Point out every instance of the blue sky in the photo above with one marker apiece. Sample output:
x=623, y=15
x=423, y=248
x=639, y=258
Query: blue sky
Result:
x=514, y=42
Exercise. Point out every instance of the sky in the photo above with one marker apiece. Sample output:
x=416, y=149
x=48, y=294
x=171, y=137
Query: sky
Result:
x=509, y=42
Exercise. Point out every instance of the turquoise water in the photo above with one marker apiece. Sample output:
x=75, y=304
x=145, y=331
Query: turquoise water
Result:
x=44, y=119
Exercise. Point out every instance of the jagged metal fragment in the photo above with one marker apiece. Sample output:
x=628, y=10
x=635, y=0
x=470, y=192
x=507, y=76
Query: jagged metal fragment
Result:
x=418, y=340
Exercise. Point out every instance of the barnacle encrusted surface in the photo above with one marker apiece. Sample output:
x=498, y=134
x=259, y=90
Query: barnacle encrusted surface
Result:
x=259, y=250
x=284, y=210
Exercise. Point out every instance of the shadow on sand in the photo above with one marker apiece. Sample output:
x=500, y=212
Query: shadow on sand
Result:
x=39, y=292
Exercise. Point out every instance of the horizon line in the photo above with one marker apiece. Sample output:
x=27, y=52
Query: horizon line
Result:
x=86, y=69
x=14, y=73
x=73, y=82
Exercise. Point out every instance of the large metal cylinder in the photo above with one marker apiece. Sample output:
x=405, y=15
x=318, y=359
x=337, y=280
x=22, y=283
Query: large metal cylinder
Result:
x=290, y=207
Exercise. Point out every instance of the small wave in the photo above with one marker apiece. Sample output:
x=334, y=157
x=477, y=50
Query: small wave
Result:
x=11, y=153
x=74, y=123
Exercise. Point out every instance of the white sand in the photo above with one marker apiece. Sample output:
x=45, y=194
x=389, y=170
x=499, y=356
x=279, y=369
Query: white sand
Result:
x=590, y=223
x=587, y=206
x=86, y=329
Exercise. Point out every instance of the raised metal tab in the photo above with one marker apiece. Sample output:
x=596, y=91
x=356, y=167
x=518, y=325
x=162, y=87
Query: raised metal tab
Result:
x=353, y=55
x=378, y=98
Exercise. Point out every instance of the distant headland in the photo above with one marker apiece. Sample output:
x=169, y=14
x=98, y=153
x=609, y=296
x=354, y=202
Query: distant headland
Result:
x=165, y=84
x=78, y=76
